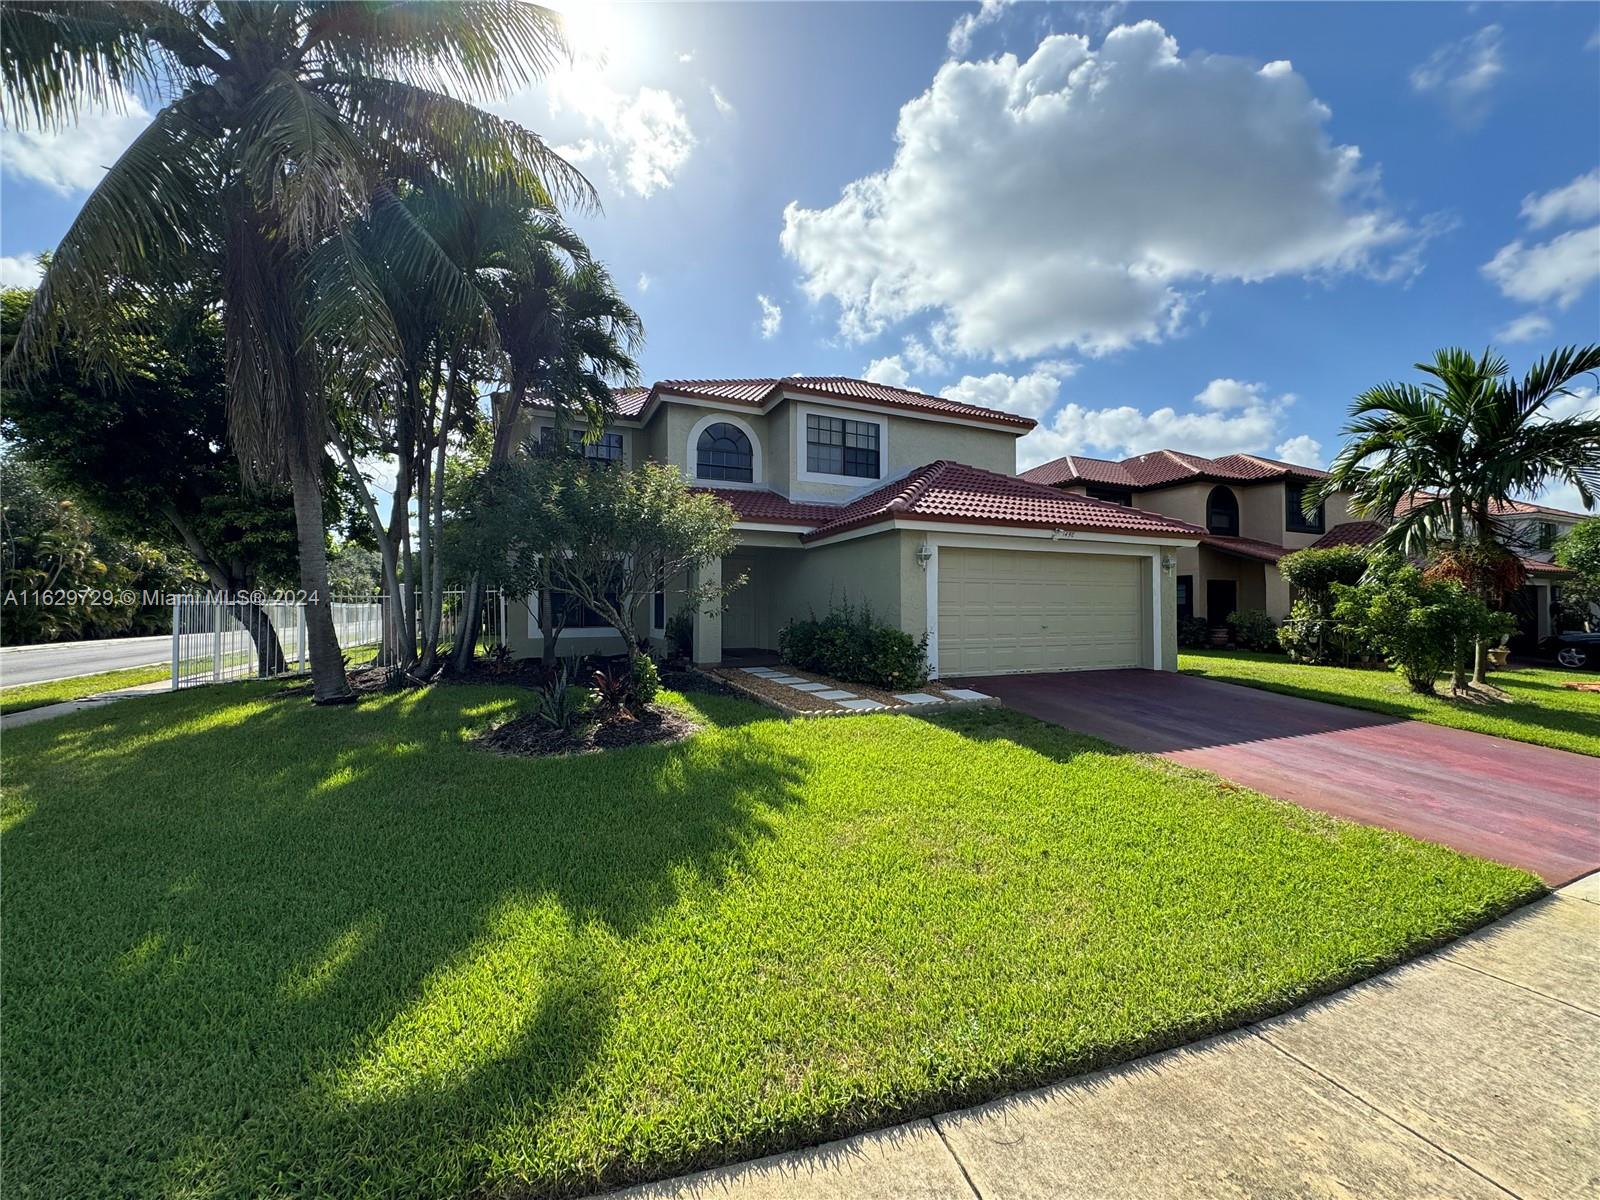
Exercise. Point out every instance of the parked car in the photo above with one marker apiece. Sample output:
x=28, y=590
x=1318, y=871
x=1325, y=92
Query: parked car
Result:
x=1574, y=649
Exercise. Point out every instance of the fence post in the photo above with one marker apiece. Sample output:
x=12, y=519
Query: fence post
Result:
x=216, y=651
x=176, y=601
x=500, y=639
x=303, y=656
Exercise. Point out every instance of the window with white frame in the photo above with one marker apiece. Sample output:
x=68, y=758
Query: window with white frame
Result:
x=724, y=452
x=839, y=446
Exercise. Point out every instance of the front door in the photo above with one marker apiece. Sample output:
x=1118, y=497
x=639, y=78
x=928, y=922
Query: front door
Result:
x=739, y=618
x=1222, y=598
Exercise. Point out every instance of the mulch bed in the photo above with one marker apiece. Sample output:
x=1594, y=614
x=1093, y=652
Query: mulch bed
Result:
x=531, y=738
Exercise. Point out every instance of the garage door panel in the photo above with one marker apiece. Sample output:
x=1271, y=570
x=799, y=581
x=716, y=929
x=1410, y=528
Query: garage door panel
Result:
x=1011, y=611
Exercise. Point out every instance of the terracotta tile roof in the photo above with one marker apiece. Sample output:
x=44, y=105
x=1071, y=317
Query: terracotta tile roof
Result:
x=1351, y=533
x=764, y=507
x=1075, y=468
x=631, y=402
x=1506, y=508
x=1245, y=547
x=1535, y=566
x=1162, y=467
x=952, y=491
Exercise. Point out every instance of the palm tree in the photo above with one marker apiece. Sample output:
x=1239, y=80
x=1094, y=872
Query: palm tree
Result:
x=282, y=121
x=1436, y=461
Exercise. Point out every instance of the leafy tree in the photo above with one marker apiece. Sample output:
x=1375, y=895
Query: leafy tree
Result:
x=1435, y=460
x=607, y=536
x=287, y=121
x=145, y=448
x=64, y=576
x=1415, y=621
x=1579, y=552
x=632, y=532
x=355, y=570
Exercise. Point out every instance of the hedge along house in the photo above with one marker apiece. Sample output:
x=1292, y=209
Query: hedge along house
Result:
x=1248, y=509
x=850, y=491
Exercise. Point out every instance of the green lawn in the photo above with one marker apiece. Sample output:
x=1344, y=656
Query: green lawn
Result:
x=54, y=691
x=257, y=949
x=1539, y=710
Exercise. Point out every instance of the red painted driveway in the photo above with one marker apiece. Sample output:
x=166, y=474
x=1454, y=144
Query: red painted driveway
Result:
x=1529, y=806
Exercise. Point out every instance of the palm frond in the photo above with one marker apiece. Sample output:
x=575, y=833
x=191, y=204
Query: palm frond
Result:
x=414, y=132
x=477, y=46
x=58, y=58
x=144, y=222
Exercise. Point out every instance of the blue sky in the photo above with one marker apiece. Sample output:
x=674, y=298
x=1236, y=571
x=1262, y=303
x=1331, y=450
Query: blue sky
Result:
x=1198, y=225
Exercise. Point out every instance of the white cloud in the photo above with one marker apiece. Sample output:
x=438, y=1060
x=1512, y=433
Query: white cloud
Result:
x=921, y=357
x=1302, y=450
x=888, y=370
x=643, y=139
x=771, y=317
x=960, y=39
x=686, y=57
x=1462, y=73
x=644, y=282
x=1559, y=270
x=1524, y=328
x=19, y=270
x=1579, y=402
x=1030, y=395
x=724, y=105
x=1249, y=422
x=1097, y=18
x=73, y=159
x=1577, y=201
x=1025, y=208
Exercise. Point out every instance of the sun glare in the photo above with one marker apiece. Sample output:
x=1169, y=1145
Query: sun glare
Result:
x=597, y=30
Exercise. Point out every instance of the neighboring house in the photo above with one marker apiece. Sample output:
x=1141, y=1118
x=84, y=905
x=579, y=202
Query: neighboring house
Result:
x=851, y=490
x=1249, y=511
x=1529, y=531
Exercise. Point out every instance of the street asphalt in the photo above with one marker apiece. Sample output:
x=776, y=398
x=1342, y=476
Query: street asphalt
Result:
x=61, y=660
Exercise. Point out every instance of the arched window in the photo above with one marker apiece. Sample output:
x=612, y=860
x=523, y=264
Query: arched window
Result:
x=1222, y=512
x=723, y=452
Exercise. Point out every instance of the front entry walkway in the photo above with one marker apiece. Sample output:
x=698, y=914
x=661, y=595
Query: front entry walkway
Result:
x=1471, y=1073
x=1529, y=806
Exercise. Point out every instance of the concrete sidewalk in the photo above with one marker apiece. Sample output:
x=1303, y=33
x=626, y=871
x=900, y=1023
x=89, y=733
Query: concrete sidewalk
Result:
x=1473, y=1072
x=44, y=712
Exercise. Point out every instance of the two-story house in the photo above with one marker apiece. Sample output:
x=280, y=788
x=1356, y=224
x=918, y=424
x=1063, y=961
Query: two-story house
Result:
x=850, y=490
x=1250, y=512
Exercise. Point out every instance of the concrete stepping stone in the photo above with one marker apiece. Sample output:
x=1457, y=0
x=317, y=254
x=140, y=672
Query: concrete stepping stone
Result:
x=835, y=694
x=967, y=694
x=810, y=687
x=764, y=672
x=861, y=704
x=916, y=698
x=789, y=680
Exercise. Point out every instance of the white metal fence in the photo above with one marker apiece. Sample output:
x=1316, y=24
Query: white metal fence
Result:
x=216, y=638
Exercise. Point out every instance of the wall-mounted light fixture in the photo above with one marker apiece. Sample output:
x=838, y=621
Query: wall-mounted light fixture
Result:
x=1168, y=561
x=924, y=555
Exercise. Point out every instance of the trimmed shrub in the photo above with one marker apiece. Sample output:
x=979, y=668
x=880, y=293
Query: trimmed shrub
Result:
x=646, y=679
x=1193, y=632
x=1253, y=629
x=1416, y=622
x=849, y=645
x=1310, y=635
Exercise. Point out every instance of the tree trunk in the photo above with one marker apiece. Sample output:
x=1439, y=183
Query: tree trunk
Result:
x=467, y=626
x=269, y=650
x=230, y=581
x=328, y=682
x=1480, y=649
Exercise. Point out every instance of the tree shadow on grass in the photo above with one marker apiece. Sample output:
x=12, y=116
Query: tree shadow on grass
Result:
x=256, y=947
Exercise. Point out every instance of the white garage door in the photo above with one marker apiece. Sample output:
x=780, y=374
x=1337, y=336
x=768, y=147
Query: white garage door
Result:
x=1011, y=610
